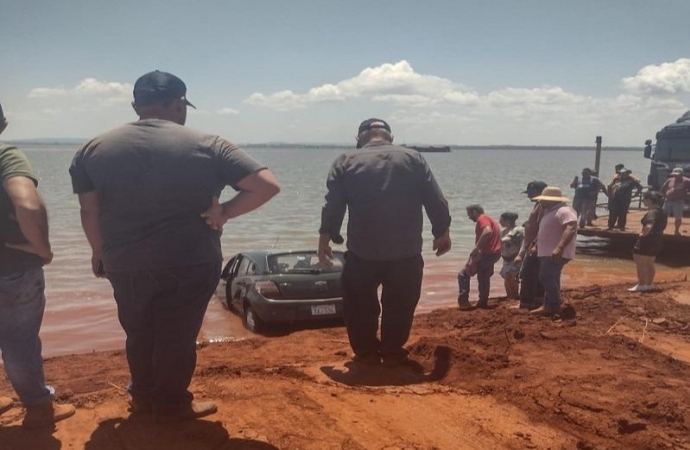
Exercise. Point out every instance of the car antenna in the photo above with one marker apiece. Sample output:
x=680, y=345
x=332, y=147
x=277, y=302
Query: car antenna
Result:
x=276, y=242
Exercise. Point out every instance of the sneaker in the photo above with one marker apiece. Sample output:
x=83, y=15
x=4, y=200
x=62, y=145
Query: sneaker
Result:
x=483, y=304
x=195, y=410
x=645, y=288
x=5, y=404
x=637, y=288
x=45, y=414
x=546, y=311
x=368, y=359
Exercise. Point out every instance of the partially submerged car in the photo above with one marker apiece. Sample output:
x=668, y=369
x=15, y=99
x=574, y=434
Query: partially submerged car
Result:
x=277, y=286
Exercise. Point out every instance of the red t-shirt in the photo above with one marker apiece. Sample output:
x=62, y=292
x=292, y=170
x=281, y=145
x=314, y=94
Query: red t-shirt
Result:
x=493, y=245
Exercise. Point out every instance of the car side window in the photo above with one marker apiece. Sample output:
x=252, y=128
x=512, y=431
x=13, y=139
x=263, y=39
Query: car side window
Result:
x=244, y=265
x=252, y=269
x=235, y=269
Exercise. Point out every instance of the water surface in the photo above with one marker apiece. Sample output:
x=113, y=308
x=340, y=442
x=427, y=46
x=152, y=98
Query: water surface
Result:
x=81, y=315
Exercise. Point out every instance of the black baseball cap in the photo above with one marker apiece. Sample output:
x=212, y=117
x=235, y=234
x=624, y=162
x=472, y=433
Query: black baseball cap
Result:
x=533, y=186
x=371, y=124
x=158, y=85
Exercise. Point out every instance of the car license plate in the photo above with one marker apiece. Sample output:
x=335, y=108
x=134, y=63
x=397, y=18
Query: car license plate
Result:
x=322, y=310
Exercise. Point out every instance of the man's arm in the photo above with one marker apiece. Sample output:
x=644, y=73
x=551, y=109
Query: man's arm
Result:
x=31, y=216
x=483, y=240
x=437, y=210
x=255, y=190
x=602, y=187
x=569, y=233
x=90, y=222
x=333, y=212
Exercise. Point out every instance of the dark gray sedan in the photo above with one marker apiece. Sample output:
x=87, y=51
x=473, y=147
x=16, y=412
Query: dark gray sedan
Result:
x=277, y=286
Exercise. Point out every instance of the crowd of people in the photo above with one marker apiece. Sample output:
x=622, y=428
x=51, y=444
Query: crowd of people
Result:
x=149, y=203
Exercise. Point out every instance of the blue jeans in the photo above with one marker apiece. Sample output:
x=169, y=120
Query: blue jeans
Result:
x=22, y=302
x=550, y=278
x=161, y=312
x=485, y=268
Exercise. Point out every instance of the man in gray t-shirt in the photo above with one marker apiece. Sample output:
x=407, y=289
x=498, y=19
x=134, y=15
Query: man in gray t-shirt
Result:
x=149, y=192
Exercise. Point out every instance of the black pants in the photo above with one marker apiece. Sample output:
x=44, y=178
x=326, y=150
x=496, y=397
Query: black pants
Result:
x=401, y=283
x=618, y=212
x=531, y=288
x=161, y=312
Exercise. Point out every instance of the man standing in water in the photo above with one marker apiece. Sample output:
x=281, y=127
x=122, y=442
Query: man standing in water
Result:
x=24, y=250
x=486, y=251
x=149, y=193
x=384, y=188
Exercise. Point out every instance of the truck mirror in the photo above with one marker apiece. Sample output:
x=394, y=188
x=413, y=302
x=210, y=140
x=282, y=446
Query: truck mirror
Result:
x=648, y=149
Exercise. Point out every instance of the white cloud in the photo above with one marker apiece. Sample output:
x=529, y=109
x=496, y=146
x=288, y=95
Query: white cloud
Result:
x=395, y=83
x=228, y=112
x=106, y=93
x=47, y=92
x=666, y=78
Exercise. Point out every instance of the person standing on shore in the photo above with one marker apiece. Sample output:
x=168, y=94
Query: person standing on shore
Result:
x=486, y=251
x=384, y=189
x=555, y=246
x=649, y=242
x=24, y=250
x=512, y=236
x=149, y=192
x=675, y=191
x=531, y=289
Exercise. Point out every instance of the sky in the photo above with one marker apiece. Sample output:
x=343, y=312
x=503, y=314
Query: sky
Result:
x=485, y=72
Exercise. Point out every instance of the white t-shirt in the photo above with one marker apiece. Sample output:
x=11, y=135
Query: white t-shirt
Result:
x=551, y=229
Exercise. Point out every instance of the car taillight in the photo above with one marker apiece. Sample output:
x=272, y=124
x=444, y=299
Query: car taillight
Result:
x=267, y=288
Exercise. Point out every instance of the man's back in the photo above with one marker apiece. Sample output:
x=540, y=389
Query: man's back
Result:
x=385, y=187
x=154, y=178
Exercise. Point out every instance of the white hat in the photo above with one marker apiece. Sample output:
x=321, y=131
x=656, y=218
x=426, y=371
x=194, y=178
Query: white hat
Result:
x=551, y=194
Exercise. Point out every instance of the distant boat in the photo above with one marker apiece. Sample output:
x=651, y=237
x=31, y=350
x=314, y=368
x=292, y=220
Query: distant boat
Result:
x=429, y=148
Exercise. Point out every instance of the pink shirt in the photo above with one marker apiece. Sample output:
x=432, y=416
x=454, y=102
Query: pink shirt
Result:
x=551, y=229
x=674, y=189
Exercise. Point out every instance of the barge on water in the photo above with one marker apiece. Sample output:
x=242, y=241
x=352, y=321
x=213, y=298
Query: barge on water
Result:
x=429, y=148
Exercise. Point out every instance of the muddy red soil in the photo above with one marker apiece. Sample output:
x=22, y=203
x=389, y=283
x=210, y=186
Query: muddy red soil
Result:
x=617, y=376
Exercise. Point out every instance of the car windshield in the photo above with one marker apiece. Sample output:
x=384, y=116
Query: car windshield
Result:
x=303, y=262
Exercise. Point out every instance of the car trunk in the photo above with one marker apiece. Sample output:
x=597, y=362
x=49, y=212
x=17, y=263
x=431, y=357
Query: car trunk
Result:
x=309, y=286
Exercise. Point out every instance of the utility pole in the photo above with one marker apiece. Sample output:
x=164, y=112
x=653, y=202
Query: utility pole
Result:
x=597, y=158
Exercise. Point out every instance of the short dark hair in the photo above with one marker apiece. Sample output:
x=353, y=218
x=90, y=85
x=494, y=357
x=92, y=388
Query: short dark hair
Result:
x=476, y=208
x=509, y=216
x=655, y=197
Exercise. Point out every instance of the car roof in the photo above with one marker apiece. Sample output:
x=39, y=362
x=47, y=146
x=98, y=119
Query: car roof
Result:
x=260, y=256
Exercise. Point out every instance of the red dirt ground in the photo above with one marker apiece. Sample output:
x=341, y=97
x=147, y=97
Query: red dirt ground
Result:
x=615, y=377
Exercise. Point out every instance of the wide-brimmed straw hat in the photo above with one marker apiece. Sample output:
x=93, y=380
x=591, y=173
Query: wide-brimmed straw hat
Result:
x=551, y=194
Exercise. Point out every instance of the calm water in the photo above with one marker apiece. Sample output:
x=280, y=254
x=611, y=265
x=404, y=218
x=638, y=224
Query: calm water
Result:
x=81, y=315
